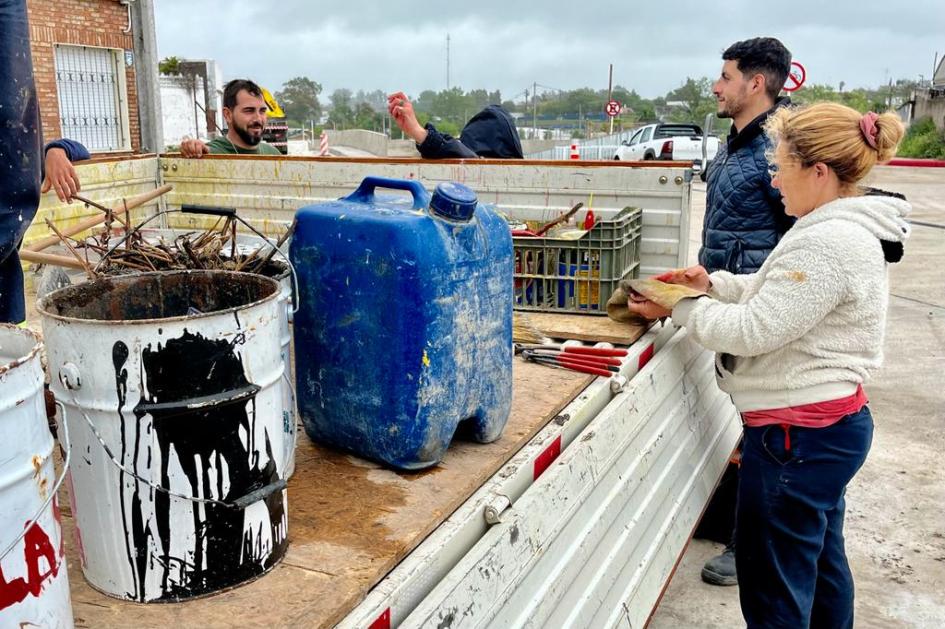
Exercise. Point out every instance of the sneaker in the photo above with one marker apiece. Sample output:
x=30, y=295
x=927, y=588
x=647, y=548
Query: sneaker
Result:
x=720, y=570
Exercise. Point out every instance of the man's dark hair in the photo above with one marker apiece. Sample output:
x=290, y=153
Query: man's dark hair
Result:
x=762, y=55
x=234, y=87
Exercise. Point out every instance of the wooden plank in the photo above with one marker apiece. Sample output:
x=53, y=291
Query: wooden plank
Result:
x=350, y=522
x=589, y=328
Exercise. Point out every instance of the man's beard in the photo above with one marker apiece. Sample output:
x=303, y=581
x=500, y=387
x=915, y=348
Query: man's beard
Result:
x=730, y=111
x=732, y=107
x=245, y=135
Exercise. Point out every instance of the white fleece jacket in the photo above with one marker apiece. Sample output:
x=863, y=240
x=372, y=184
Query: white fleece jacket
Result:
x=808, y=326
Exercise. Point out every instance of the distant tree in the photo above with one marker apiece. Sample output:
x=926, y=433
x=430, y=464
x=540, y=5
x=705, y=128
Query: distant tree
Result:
x=696, y=100
x=817, y=93
x=365, y=117
x=453, y=105
x=424, y=102
x=169, y=65
x=377, y=99
x=299, y=99
x=341, y=115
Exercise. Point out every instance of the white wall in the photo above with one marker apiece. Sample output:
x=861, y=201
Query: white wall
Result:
x=180, y=118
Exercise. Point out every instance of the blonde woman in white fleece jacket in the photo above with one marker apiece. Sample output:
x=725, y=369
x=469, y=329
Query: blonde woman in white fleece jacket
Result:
x=795, y=342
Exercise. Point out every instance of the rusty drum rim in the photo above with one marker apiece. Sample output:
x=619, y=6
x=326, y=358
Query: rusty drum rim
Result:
x=22, y=360
x=41, y=306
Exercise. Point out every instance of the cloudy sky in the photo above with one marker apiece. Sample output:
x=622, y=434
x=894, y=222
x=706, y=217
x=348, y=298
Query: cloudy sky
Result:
x=654, y=46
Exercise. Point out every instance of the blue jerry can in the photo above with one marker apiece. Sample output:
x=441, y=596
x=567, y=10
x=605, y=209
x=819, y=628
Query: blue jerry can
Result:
x=403, y=336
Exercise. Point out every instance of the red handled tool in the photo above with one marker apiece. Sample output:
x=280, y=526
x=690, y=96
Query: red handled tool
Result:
x=551, y=362
x=591, y=358
x=573, y=349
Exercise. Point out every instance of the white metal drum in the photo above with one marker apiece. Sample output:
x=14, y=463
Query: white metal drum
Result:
x=34, y=588
x=173, y=385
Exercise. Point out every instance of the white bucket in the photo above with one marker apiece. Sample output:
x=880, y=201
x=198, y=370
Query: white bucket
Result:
x=34, y=587
x=180, y=486
x=280, y=269
x=289, y=412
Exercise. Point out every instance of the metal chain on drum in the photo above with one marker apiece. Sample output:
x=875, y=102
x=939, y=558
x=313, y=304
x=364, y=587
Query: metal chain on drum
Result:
x=239, y=504
x=42, y=509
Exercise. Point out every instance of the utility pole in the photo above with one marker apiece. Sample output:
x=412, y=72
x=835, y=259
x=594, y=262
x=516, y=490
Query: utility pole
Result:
x=447, y=61
x=610, y=92
x=535, y=109
x=146, y=73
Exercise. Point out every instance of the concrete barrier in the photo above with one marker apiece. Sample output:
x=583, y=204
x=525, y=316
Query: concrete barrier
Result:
x=370, y=141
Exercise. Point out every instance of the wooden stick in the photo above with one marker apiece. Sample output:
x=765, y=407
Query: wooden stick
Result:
x=93, y=221
x=125, y=217
x=561, y=219
x=130, y=264
x=85, y=265
x=190, y=254
x=272, y=250
x=48, y=258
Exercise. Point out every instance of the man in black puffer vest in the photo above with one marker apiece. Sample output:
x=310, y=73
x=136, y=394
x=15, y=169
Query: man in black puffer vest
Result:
x=744, y=216
x=744, y=219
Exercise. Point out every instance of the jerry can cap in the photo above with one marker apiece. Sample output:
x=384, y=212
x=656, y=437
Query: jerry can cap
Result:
x=453, y=201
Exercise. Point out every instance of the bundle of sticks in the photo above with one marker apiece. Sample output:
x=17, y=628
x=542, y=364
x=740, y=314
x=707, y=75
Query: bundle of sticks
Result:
x=212, y=249
x=34, y=252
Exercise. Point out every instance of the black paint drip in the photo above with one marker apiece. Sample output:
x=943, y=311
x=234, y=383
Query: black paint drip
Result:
x=119, y=358
x=198, y=406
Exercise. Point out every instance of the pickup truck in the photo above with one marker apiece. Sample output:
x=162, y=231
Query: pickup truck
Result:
x=666, y=141
x=576, y=517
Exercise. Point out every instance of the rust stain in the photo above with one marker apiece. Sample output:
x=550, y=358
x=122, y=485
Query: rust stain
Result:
x=41, y=481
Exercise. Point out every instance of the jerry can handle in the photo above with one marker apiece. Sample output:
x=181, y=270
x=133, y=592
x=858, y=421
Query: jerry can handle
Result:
x=189, y=208
x=365, y=191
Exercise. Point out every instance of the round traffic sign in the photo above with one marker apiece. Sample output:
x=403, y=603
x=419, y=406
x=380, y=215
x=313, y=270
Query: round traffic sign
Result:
x=612, y=108
x=795, y=78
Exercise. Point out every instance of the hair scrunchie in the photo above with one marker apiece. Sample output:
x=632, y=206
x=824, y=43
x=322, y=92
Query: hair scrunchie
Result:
x=868, y=128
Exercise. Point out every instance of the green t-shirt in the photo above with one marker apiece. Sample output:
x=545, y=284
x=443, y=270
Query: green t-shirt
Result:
x=222, y=146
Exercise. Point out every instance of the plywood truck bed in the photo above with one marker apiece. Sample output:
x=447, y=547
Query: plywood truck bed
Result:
x=350, y=522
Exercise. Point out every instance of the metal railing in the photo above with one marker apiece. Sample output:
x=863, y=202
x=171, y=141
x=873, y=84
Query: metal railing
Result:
x=603, y=147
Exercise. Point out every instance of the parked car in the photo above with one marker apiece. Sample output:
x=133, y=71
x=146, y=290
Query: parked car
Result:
x=667, y=141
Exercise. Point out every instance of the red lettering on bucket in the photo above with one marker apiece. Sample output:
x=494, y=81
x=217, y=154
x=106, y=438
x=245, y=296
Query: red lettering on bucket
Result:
x=36, y=546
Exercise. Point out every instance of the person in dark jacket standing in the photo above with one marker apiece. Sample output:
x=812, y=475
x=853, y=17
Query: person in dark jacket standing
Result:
x=20, y=151
x=491, y=133
x=21, y=156
x=744, y=215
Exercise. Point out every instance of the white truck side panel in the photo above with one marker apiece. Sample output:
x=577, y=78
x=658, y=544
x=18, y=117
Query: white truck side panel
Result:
x=414, y=578
x=594, y=540
x=268, y=191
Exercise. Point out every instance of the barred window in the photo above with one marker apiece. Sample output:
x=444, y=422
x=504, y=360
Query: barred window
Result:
x=93, y=105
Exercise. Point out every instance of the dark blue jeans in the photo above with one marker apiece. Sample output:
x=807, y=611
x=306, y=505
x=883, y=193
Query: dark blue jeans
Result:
x=791, y=563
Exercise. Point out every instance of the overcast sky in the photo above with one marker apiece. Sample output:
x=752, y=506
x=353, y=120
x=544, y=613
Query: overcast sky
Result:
x=654, y=46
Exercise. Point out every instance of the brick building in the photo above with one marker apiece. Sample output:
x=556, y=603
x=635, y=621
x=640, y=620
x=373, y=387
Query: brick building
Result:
x=92, y=59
